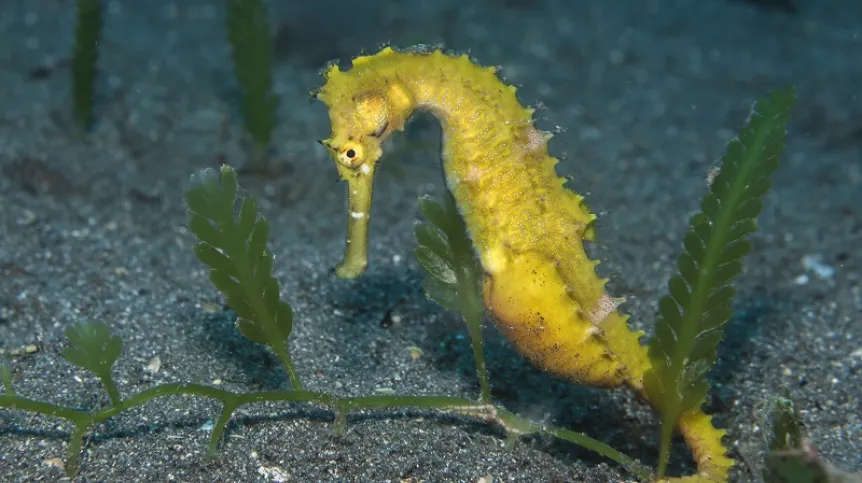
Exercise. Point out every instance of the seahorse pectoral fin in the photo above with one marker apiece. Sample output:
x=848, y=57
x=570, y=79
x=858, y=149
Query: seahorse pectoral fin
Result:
x=359, y=190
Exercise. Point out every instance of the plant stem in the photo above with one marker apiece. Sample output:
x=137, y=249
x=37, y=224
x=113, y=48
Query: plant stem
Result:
x=268, y=318
x=287, y=362
x=229, y=406
x=76, y=443
x=474, y=326
x=111, y=387
x=438, y=402
x=231, y=401
x=48, y=409
x=668, y=423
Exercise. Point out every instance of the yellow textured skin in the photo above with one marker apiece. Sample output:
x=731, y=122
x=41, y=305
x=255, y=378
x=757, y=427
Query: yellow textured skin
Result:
x=527, y=228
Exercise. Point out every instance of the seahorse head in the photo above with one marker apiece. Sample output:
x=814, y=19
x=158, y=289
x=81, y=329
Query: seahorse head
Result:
x=365, y=107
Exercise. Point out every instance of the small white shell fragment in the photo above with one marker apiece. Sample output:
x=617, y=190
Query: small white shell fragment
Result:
x=154, y=365
x=815, y=265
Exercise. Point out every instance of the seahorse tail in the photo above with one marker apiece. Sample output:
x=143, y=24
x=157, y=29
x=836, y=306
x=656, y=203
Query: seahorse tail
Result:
x=704, y=441
x=702, y=438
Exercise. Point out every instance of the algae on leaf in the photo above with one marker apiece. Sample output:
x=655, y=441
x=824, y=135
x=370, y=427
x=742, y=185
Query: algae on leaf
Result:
x=234, y=248
x=694, y=314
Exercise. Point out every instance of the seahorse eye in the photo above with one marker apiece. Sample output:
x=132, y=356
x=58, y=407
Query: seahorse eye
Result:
x=350, y=154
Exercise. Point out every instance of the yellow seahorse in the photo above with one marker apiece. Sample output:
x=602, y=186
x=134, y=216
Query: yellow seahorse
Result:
x=540, y=287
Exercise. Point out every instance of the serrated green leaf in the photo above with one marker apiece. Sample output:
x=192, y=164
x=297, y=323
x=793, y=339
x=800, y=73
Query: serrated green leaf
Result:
x=251, y=331
x=717, y=317
x=241, y=308
x=678, y=290
x=720, y=186
x=735, y=251
x=247, y=219
x=226, y=283
x=669, y=310
x=725, y=273
x=229, y=190
x=205, y=231
x=721, y=296
x=694, y=245
x=712, y=207
x=432, y=238
x=270, y=294
x=695, y=394
x=213, y=258
x=263, y=265
x=749, y=209
x=235, y=251
x=666, y=338
x=693, y=316
x=434, y=212
x=284, y=317
x=446, y=254
x=741, y=230
x=442, y=293
x=206, y=198
x=687, y=268
x=705, y=344
x=758, y=188
x=693, y=373
x=92, y=347
x=702, y=228
x=435, y=266
x=454, y=273
x=259, y=236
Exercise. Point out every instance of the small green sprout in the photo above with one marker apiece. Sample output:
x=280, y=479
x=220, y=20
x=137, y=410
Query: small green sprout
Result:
x=792, y=458
x=93, y=348
x=786, y=425
x=234, y=248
